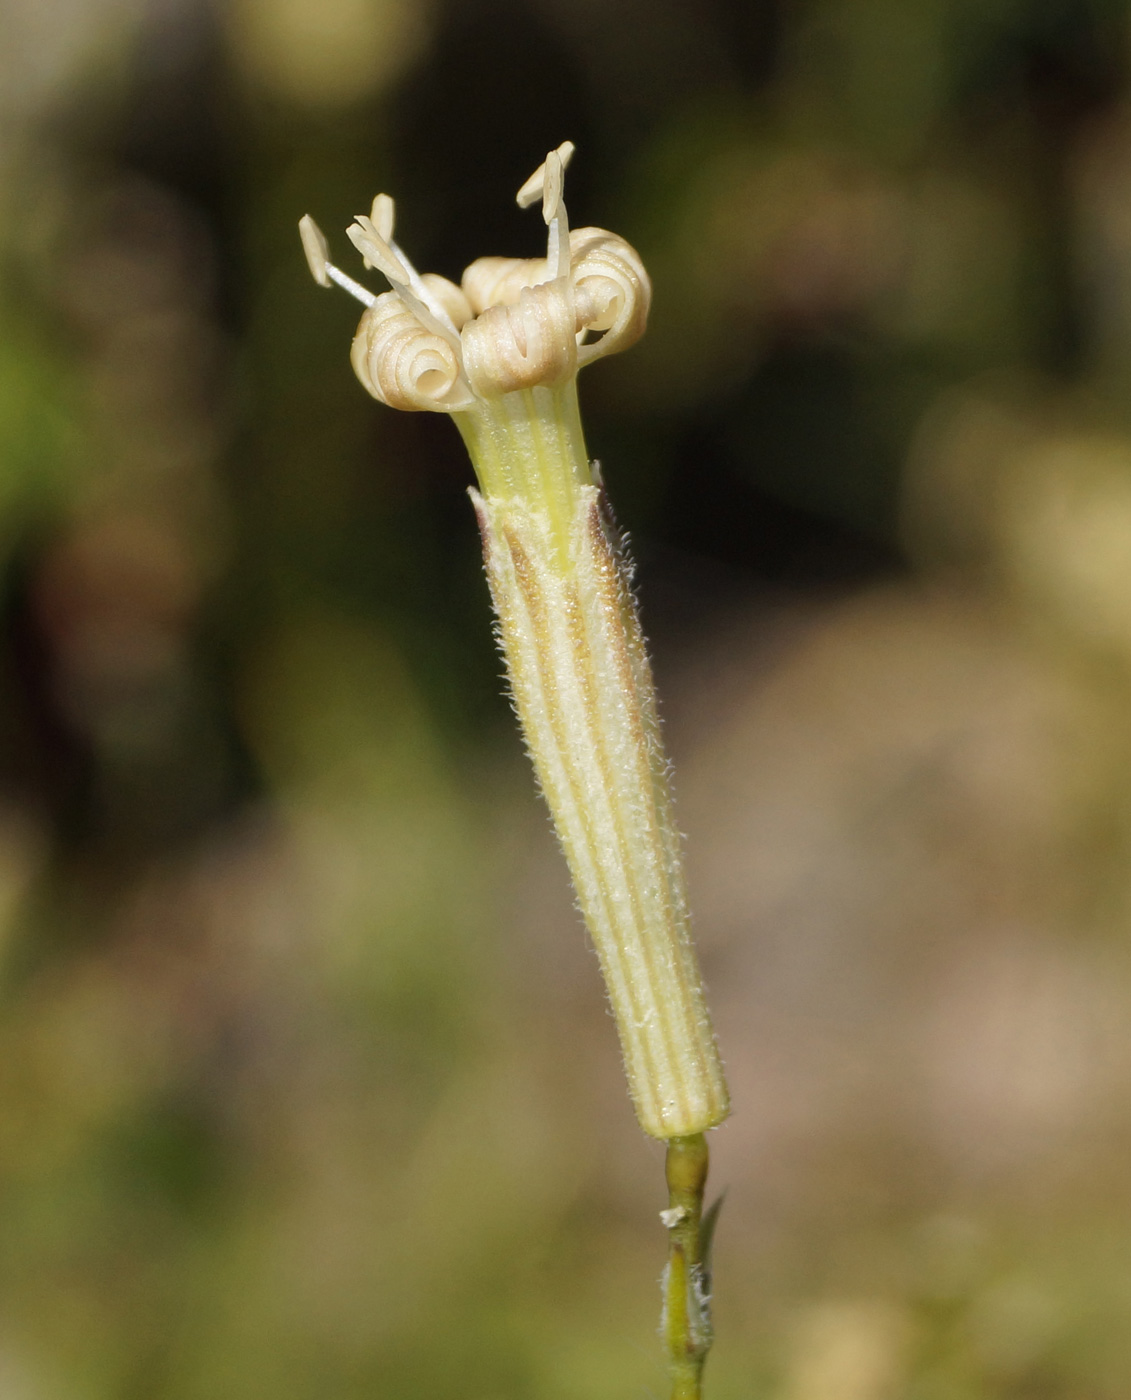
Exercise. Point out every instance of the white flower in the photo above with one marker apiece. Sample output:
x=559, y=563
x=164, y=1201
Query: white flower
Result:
x=512, y=323
x=500, y=353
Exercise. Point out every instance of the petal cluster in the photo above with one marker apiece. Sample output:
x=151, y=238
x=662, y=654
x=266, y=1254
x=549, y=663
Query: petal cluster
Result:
x=512, y=324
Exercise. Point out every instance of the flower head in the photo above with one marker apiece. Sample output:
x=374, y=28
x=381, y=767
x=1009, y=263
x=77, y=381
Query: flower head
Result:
x=511, y=324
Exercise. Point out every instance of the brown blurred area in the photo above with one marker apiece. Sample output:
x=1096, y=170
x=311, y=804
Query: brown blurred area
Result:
x=307, y=1084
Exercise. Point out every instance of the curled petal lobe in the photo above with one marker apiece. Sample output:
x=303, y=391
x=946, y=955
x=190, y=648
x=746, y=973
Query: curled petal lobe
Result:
x=527, y=343
x=499, y=281
x=452, y=298
x=403, y=363
x=611, y=283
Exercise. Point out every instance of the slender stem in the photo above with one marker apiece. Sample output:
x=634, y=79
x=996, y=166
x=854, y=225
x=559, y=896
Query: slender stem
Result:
x=686, y=1322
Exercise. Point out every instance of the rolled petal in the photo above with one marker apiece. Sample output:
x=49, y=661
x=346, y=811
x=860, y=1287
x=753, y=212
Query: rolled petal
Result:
x=518, y=346
x=613, y=292
x=499, y=281
x=404, y=364
x=449, y=296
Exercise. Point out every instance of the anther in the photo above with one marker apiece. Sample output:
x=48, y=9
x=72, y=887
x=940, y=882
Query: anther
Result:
x=531, y=192
x=404, y=279
x=316, y=248
x=323, y=271
x=383, y=215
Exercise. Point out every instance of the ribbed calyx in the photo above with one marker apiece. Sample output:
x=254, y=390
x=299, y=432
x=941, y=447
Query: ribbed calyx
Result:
x=582, y=687
x=500, y=353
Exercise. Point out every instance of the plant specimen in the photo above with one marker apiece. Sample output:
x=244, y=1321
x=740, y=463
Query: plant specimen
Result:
x=500, y=354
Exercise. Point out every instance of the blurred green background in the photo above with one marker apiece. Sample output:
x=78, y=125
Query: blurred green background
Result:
x=307, y=1086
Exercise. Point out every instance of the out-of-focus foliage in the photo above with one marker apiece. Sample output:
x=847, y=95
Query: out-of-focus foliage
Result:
x=307, y=1088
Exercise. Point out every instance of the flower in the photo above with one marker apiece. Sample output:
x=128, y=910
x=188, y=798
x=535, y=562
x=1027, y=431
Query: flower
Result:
x=500, y=353
x=513, y=323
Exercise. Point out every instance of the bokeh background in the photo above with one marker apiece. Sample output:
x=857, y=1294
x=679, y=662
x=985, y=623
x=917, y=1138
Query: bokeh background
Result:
x=307, y=1086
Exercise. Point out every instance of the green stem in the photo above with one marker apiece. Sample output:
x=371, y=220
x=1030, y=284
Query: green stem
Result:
x=686, y=1325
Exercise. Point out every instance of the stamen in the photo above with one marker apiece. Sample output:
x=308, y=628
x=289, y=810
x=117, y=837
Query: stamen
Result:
x=531, y=192
x=383, y=215
x=316, y=248
x=375, y=250
x=402, y=277
x=552, y=184
x=347, y=284
x=547, y=184
x=554, y=213
x=323, y=271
